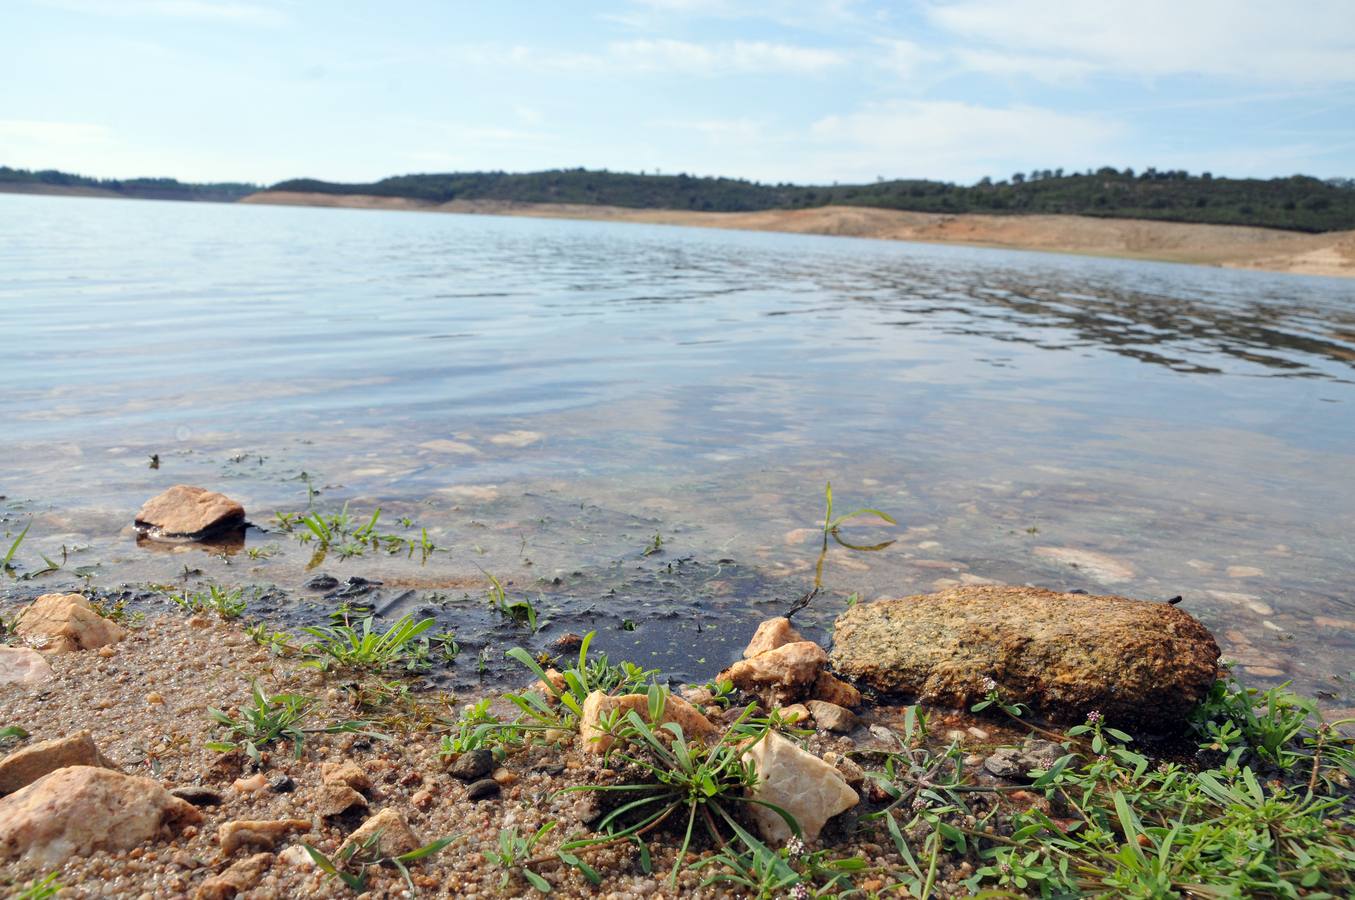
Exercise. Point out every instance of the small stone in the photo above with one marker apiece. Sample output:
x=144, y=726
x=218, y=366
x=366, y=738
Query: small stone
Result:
x=65, y=623
x=853, y=774
x=504, y=777
x=198, y=796
x=771, y=634
x=185, y=512
x=796, y=712
x=154, y=698
x=597, y=705
x=321, y=582
x=803, y=785
x=566, y=642
x=1245, y=572
x=263, y=834
x=346, y=772
x=1006, y=763
x=472, y=765
x=297, y=857
x=396, y=836
x=25, y=766
x=831, y=717
x=107, y=652
x=237, y=879
x=337, y=799
x=251, y=785
x=77, y=810
x=483, y=789
x=23, y=665
x=831, y=689
x=283, y=784
x=422, y=799
x=783, y=674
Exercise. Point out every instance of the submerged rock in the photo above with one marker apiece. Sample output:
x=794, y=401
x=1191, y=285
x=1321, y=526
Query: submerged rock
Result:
x=23, y=767
x=187, y=513
x=80, y=809
x=808, y=788
x=1063, y=654
x=64, y=623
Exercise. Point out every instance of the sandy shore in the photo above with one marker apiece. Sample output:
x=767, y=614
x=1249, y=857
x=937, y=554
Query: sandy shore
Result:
x=1230, y=246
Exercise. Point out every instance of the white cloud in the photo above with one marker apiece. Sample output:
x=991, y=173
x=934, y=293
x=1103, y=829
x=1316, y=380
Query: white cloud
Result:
x=905, y=58
x=201, y=10
x=1298, y=41
x=665, y=55
x=960, y=141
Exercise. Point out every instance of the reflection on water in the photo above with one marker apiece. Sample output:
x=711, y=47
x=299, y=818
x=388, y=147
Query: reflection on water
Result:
x=546, y=396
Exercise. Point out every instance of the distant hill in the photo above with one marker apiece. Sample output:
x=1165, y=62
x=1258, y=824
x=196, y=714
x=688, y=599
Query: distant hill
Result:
x=1296, y=203
x=50, y=180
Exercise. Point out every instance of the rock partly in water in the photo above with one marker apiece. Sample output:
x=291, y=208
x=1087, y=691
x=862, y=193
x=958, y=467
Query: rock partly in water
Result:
x=396, y=836
x=261, y=834
x=598, y=705
x=64, y=623
x=808, y=788
x=25, y=766
x=187, y=513
x=771, y=634
x=1065, y=655
x=23, y=665
x=80, y=809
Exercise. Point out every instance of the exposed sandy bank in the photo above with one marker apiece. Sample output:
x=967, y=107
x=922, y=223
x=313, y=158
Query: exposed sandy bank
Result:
x=1218, y=245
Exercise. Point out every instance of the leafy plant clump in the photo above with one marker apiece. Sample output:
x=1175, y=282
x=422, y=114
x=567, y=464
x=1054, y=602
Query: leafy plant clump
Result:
x=268, y=720
x=346, y=647
x=347, y=536
x=353, y=862
x=226, y=603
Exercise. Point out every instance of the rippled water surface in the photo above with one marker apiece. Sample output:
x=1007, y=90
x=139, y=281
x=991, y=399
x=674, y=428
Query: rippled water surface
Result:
x=547, y=396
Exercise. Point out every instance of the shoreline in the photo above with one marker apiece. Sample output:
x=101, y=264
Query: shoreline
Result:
x=1223, y=246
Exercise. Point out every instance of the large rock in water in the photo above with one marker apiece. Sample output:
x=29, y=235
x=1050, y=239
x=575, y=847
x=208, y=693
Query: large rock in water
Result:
x=187, y=513
x=1063, y=654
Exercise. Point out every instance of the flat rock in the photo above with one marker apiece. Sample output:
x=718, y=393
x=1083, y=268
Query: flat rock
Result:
x=599, y=705
x=345, y=773
x=188, y=513
x=1098, y=566
x=771, y=634
x=23, y=767
x=395, y=835
x=238, y=878
x=78, y=810
x=831, y=717
x=23, y=665
x=808, y=788
x=65, y=623
x=259, y=834
x=1063, y=654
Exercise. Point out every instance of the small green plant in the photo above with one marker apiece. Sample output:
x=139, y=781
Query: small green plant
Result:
x=41, y=890
x=342, y=534
x=6, y=562
x=353, y=861
x=363, y=648
x=116, y=611
x=11, y=734
x=267, y=720
x=473, y=729
x=514, y=852
x=228, y=604
x=520, y=611
x=563, y=708
x=832, y=527
x=276, y=641
x=655, y=545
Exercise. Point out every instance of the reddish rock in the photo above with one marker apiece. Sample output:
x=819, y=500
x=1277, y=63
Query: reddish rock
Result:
x=187, y=513
x=25, y=766
x=771, y=634
x=834, y=690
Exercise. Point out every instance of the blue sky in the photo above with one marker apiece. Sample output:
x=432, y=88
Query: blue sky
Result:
x=796, y=91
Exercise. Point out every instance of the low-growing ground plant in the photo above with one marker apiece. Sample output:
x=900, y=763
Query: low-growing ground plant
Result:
x=346, y=647
x=226, y=603
x=267, y=720
x=346, y=535
x=352, y=864
x=514, y=852
x=41, y=890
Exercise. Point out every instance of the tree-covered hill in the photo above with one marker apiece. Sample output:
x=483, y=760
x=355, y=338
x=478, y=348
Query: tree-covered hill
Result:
x=1299, y=202
x=138, y=188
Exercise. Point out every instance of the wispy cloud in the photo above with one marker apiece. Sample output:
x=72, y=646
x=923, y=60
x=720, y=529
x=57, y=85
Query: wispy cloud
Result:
x=224, y=11
x=665, y=56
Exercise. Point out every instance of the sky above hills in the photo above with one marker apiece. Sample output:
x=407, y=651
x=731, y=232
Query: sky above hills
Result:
x=814, y=91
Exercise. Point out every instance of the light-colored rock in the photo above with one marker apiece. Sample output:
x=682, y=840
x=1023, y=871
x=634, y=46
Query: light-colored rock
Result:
x=337, y=799
x=23, y=665
x=550, y=692
x=1098, y=566
x=783, y=674
x=598, y=706
x=1245, y=572
x=262, y=834
x=251, y=784
x=396, y=836
x=803, y=785
x=64, y=623
x=80, y=809
x=238, y=878
x=297, y=857
x=516, y=438
x=849, y=770
x=346, y=772
x=771, y=634
x=26, y=765
x=831, y=717
x=831, y=689
x=185, y=513
x=796, y=712
x=1063, y=654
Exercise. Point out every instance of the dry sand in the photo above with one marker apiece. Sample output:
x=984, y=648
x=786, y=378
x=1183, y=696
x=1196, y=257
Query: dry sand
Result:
x=1231, y=246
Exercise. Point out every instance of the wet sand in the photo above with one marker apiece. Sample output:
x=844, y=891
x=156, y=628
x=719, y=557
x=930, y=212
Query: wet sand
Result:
x=1229, y=246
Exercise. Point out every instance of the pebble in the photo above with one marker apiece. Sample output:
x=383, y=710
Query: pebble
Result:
x=472, y=765
x=250, y=785
x=155, y=698
x=283, y=784
x=482, y=789
x=198, y=796
x=504, y=777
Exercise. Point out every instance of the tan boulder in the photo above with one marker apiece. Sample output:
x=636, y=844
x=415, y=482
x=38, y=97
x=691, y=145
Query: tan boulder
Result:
x=261, y=834
x=238, y=878
x=831, y=717
x=80, y=809
x=1064, y=655
x=771, y=634
x=396, y=836
x=185, y=513
x=809, y=789
x=346, y=772
x=25, y=766
x=64, y=623
x=831, y=689
x=23, y=665
x=782, y=674
x=598, y=706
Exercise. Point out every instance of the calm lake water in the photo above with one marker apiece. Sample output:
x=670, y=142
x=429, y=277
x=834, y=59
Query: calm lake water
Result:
x=547, y=396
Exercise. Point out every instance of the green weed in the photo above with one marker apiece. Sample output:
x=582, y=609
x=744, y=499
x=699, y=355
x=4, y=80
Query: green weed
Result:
x=268, y=720
x=363, y=648
x=352, y=864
